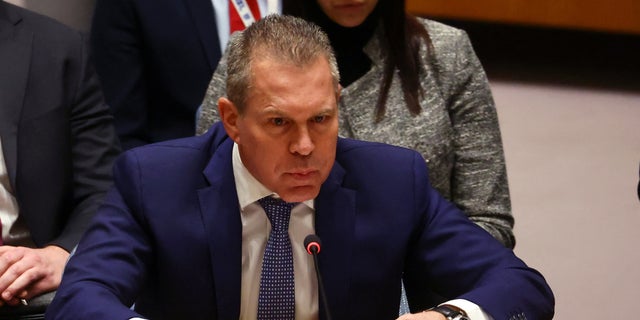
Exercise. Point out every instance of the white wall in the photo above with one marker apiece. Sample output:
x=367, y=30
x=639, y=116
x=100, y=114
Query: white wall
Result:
x=572, y=159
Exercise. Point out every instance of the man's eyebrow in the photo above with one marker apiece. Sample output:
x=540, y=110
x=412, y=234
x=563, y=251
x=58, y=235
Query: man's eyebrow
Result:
x=327, y=111
x=270, y=110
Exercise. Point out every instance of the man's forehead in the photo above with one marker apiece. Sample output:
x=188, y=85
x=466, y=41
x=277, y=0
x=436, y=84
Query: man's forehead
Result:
x=292, y=92
x=268, y=72
x=284, y=59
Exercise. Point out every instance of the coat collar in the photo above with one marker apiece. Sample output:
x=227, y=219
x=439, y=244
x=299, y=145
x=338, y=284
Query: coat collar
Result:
x=335, y=225
x=15, y=57
x=221, y=217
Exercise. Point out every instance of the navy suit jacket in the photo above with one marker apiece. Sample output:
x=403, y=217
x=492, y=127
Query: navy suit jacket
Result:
x=155, y=59
x=57, y=133
x=169, y=239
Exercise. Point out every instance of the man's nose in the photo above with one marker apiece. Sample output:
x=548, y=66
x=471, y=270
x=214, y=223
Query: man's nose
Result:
x=302, y=143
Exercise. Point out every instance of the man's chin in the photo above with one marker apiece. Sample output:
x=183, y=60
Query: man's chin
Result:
x=299, y=193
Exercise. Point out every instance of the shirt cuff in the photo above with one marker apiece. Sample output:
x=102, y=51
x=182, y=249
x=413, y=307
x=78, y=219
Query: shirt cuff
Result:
x=473, y=311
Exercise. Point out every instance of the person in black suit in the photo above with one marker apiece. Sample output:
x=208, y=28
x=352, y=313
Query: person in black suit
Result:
x=155, y=59
x=57, y=148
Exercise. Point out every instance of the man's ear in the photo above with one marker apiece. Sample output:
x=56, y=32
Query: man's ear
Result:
x=229, y=117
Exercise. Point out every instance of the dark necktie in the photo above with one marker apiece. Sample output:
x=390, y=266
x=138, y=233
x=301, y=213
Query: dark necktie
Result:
x=276, y=299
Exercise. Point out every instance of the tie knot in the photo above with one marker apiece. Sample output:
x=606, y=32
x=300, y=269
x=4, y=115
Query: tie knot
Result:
x=278, y=211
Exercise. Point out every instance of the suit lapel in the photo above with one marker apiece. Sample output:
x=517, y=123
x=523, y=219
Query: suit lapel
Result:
x=335, y=223
x=221, y=217
x=15, y=57
x=205, y=21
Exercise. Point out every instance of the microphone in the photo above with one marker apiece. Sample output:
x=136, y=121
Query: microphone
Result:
x=313, y=244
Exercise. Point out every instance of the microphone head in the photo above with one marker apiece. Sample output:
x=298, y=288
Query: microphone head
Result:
x=312, y=244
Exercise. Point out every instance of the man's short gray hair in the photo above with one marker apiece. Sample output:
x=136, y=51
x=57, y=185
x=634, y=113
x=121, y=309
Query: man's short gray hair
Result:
x=285, y=39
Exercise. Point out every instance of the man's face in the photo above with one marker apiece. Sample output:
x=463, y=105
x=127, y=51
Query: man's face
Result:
x=288, y=132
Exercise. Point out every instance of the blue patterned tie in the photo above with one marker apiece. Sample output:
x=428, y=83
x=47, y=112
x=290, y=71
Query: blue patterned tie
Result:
x=276, y=299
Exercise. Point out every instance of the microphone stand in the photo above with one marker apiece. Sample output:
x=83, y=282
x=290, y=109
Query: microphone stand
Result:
x=312, y=245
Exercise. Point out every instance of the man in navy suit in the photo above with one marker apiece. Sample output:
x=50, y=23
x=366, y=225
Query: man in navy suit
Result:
x=182, y=235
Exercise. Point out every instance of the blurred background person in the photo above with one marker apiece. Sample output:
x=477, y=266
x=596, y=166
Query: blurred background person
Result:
x=155, y=59
x=57, y=145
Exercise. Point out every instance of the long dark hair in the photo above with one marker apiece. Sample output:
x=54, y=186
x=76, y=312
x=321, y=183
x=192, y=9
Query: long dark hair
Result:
x=402, y=37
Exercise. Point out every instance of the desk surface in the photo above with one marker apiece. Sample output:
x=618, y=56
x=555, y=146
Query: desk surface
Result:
x=620, y=16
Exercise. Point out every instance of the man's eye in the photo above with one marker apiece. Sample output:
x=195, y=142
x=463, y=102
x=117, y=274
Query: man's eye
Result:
x=277, y=121
x=319, y=119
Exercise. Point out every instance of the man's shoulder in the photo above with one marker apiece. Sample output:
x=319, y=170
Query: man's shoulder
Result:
x=167, y=164
x=177, y=148
x=37, y=23
x=376, y=166
x=51, y=41
x=200, y=148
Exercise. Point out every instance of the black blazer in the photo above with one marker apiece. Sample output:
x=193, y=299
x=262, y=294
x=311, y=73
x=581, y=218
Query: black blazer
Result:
x=57, y=134
x=155, y=59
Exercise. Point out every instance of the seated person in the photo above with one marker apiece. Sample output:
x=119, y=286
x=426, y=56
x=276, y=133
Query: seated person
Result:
x=212, y=227
x=57, y=145
x=418, y=84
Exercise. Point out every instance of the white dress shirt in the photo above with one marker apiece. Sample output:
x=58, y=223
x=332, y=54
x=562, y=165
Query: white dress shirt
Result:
x=255, y=232
x=14, y=230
